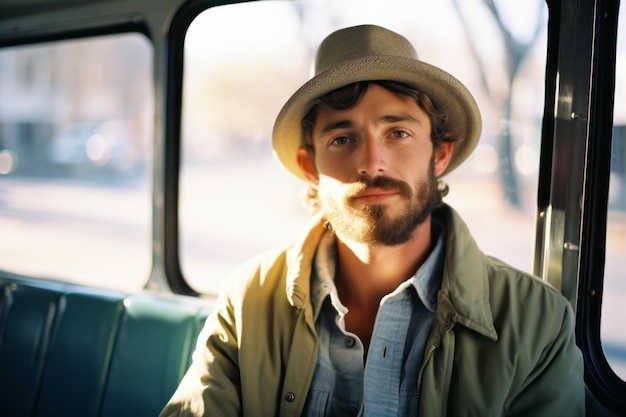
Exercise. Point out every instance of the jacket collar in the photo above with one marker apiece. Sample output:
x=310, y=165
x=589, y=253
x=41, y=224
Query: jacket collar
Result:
x=465, y=286
x=299, y=263
x=464, y=295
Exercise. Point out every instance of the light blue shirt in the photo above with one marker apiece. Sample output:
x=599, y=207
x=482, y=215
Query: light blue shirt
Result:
x=386, y=384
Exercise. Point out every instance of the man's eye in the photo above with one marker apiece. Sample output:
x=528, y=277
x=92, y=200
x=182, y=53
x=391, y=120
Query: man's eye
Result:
x=400, y=134
x=341, y=140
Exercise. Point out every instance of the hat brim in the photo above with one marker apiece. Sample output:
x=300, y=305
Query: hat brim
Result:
x=447, y=93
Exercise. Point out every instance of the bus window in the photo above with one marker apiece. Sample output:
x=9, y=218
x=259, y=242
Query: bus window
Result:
x=235, y=199
x=75, y=199
x=614, y=294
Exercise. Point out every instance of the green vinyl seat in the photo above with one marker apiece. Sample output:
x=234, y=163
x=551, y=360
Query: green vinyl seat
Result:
x=67, y=350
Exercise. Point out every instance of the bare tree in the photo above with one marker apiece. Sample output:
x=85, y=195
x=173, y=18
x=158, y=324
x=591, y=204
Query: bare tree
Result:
x=516, y=50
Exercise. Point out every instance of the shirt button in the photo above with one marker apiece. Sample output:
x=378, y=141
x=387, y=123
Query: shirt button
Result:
x=350, y=341
x=290, y=397
x=353, y=411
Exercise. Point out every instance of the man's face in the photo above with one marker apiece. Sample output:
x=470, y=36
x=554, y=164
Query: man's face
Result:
x=375, y=167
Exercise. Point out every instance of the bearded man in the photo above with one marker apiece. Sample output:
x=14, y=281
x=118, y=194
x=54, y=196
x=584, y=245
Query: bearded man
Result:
x=386, y=306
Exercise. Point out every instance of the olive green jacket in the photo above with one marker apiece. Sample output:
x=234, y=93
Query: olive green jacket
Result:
x=502, y=344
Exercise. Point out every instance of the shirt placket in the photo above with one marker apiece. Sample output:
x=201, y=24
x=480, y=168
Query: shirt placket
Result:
x=385, y=357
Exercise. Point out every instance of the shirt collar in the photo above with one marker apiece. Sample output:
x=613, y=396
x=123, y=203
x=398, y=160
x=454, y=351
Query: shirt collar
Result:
x=427, y=279
x=323, y=276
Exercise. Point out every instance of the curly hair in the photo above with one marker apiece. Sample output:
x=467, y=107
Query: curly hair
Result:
x=349, y=95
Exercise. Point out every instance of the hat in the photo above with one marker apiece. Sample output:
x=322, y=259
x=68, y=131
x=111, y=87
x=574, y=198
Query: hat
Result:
x=368, y=53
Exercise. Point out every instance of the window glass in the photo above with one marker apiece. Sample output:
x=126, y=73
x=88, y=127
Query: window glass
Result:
x=614, y=295
x=235, y=199
x=75, y=120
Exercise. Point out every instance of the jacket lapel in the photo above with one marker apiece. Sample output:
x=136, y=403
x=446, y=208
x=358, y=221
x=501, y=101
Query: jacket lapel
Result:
x=465, y=285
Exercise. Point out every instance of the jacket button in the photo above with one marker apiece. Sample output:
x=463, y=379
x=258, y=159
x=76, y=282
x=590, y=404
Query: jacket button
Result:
x=350, y=341
x=290, y=397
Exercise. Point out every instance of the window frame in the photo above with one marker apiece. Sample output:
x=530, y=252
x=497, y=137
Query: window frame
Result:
x=600, y=377
x=174, y=278
x=574, y=175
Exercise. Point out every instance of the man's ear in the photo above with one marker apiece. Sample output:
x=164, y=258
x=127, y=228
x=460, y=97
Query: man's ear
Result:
x=443, y=155
x=307, y=164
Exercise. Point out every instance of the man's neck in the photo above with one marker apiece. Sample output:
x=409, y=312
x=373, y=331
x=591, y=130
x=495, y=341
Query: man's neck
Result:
x=366, y=273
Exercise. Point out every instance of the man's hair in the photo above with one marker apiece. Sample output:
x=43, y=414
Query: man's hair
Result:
x=349, y=95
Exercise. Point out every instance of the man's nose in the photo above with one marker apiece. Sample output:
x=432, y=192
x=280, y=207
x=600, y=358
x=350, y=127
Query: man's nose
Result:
x=372, y=159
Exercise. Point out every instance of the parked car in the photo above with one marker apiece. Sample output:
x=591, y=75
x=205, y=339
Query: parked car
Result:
x=92, y=146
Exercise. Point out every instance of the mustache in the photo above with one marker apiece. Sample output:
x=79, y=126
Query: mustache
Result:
x=363, y=183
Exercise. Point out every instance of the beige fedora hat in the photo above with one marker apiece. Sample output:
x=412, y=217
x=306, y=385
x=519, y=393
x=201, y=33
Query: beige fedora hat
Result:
x=370, y=52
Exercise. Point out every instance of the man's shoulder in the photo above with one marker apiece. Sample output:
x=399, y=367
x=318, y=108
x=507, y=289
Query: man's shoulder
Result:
x=519, y=294
x=503, y=274
x=257, y=270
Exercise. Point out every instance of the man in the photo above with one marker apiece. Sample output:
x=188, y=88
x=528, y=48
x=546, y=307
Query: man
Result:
x=386, y=306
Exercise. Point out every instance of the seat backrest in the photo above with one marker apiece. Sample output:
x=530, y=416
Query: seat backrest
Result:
x=67, y=350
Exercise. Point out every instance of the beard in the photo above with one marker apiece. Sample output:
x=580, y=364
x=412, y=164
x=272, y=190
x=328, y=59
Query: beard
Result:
x=373, y=224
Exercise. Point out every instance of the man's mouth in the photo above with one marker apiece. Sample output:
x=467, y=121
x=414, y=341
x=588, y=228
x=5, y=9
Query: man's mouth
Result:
x=375, y=195
x=377, y=189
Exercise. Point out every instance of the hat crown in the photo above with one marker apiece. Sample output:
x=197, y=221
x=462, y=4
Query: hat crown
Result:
x=358, y=42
